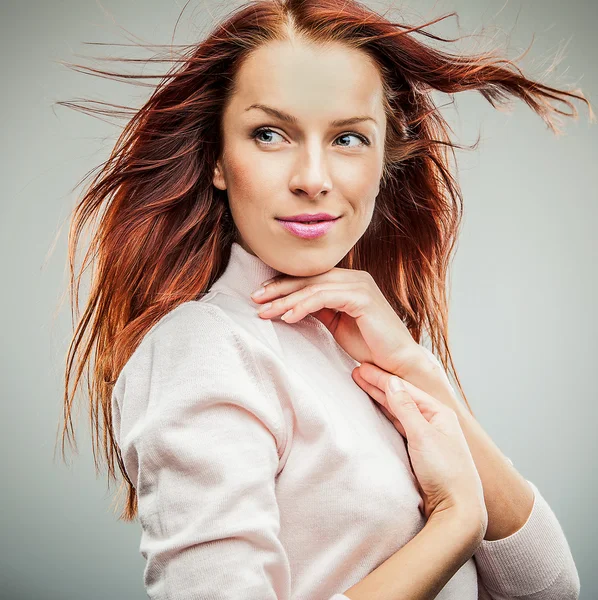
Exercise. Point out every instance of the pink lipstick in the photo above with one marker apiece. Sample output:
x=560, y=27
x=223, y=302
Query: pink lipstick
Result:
x=308, y=230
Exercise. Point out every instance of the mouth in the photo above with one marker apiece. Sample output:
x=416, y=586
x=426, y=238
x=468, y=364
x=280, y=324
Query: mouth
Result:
x=307, y=222
x=304, y=220
x=308, y=229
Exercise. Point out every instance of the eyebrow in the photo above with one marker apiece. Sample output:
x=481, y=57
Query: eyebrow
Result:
x=287, y=118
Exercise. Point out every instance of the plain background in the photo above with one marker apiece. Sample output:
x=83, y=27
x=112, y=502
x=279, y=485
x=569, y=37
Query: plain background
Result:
x=524, y=283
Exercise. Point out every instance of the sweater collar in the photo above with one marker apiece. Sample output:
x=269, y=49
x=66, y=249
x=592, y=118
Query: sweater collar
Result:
x=243, y=274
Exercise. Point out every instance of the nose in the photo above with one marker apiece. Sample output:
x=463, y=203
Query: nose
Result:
x=311, y=174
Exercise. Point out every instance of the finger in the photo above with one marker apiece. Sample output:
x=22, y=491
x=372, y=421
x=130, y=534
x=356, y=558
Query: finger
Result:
x=379, y=397
x=327, y=316
x=283, y=285
x=342, y=297
x=372, y=390
x=427, y=404
x=394, y=421
x=404, y=407
x=279, y=303
x=295, y=300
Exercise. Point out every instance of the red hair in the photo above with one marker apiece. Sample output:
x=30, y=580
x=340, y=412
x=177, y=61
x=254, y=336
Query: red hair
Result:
x=163, y=231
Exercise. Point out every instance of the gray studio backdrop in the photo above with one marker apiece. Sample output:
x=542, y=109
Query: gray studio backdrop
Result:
x=524, y=282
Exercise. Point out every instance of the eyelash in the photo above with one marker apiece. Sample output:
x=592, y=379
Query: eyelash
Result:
x=365, y=141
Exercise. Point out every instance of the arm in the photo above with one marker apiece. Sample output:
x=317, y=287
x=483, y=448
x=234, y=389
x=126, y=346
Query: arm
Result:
x=200, y=437
x=525, y=551
x=535, y=562
x=423, y=566
x=507, y=494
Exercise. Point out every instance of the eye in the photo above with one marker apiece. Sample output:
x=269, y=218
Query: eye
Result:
x=267, y=130
x=259, y=132
x=364, y=140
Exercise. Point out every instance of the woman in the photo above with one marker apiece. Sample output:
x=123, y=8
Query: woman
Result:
x=267, y=454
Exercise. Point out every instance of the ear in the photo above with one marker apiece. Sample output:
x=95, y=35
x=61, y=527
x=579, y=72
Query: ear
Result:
x=218, y=179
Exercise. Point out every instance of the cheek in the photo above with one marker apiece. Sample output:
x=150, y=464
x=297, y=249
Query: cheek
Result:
x=249, y=177
x=239, y=175
x=362, y=188
x=362, y=174
x=247, y=188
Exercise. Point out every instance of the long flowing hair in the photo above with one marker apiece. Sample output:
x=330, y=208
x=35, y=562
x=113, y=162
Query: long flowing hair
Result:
x=161, y=232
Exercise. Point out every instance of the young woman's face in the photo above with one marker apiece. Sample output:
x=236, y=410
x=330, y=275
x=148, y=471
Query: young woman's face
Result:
x=273, y=168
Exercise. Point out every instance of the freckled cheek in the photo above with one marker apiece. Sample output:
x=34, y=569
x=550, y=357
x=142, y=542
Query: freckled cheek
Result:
x=251, y=179
x=251, y=192
x=239, y=175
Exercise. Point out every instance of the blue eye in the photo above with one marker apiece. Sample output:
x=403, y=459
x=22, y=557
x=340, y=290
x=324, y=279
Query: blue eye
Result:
x=258, y=132
x=364, y=140
x=261, y=130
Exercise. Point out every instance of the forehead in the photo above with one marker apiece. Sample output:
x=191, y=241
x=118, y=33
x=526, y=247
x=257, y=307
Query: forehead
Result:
x=310, y=81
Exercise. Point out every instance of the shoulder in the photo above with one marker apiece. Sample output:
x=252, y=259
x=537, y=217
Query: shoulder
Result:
x=194, y=372
x=198, y=355
x=189, y=331
x=194, y=340
x=191, y=317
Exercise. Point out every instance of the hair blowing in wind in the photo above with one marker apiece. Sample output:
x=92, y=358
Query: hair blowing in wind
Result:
x=161, y=232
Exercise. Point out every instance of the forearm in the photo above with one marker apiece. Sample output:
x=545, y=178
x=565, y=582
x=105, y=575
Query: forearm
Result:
x=524, y=553
x=423, y=566
x=507, y=495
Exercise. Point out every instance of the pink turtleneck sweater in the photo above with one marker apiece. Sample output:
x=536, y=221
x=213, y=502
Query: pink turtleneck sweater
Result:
x=263, y=472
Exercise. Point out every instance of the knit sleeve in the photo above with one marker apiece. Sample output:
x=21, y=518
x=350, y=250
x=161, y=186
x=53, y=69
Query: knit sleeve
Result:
x=201, y=439
x=534, y=563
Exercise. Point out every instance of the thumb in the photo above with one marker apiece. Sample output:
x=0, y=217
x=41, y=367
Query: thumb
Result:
x=404, y=406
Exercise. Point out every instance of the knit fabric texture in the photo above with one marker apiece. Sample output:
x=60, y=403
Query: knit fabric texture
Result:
x=264, y=472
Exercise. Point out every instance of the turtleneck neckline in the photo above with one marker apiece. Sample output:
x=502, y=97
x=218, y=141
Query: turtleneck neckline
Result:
x=243, y=274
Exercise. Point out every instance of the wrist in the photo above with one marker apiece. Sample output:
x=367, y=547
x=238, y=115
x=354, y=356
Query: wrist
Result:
x=416, y=358
x=420, y=367
x=467, y=523
x=458, y=535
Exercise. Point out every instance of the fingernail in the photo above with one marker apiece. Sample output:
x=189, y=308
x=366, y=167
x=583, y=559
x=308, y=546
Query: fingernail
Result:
x=268, y=281
x=395, y=384
x=258, y=292
x=264, y=308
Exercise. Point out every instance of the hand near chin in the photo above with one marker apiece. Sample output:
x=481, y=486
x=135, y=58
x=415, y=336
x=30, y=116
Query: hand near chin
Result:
x=352, y=307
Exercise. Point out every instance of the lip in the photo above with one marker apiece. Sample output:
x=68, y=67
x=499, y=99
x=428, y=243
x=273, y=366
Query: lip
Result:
x=308, y=231
x=308, y=217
